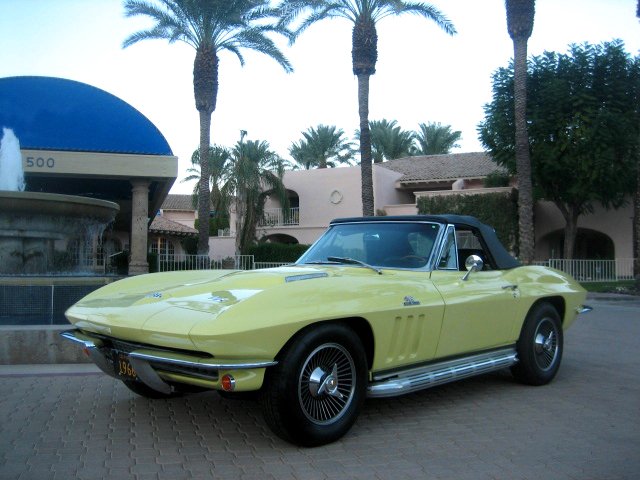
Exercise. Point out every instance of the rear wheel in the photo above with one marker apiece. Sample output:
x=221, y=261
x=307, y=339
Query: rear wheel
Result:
x=540, y=346
x=314, y=394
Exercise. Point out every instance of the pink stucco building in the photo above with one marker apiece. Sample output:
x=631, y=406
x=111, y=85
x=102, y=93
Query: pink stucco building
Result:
x=317, y=196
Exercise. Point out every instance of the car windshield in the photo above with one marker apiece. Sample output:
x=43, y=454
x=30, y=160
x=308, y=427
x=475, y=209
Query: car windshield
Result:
x=376, y=244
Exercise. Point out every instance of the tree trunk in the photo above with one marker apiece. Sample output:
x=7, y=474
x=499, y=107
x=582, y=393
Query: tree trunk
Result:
x=205, y=92
x=523, y=159
x=240, y=217
x=570, y=214
x=636, y=222
x=365, y=146
x=203, y=195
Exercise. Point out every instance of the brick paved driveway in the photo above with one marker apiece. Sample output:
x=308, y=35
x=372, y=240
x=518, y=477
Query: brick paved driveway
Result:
x=585, y=425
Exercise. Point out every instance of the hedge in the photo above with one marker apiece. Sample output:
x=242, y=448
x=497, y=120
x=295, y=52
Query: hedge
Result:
x=499, y=210
x=276, y=252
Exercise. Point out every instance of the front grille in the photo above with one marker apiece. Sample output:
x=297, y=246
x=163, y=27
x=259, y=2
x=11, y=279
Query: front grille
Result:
x=113, y=345
x=128, y=347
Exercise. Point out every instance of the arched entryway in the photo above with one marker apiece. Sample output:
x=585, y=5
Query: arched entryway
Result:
x=280, y=238
x=590, y=244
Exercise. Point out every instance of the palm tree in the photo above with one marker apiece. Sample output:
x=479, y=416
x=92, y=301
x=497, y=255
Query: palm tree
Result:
x=520, y=15
x=389, y=141
x=210, y=27
x=254, y=172
x=299, y=153
x=322, y=146
x=218, y=159
x=436, y=139
x=364, y=14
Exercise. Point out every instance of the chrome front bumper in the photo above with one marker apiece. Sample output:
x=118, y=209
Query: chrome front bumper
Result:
x=147, y=361
x=583, y=309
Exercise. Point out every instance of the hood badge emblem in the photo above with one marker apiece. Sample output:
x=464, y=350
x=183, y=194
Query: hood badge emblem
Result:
x=153, y=295
x=410, y=301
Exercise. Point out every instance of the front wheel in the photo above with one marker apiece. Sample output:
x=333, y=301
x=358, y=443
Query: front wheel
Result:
x=314, y=394
x=539, y=346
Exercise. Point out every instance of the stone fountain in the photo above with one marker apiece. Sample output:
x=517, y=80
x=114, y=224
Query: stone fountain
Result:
x=37, y=229
x=47, y=245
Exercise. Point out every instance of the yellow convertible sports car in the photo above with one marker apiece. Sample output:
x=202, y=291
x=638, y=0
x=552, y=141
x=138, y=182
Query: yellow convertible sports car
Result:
x=377, y=307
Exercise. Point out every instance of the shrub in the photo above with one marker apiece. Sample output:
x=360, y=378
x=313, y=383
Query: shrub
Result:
x=215, y=224
x=190, y=245
x=152, y=260
x=276, y=252
x=496, y=179
x=498, y=210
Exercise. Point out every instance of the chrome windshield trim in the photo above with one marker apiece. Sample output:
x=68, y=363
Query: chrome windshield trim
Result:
x=441, y=247
x=205, y=366
x=428, y=267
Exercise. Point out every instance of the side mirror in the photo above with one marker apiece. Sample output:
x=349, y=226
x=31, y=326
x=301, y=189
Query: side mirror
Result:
x=473, y=263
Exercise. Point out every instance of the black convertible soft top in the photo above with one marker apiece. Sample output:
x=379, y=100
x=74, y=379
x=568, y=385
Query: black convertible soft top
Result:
x=502, y=258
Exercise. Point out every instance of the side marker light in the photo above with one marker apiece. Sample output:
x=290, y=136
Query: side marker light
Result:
x=228, y=383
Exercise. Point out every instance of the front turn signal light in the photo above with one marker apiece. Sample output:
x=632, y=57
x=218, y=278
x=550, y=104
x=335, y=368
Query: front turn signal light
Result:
x=228, y=383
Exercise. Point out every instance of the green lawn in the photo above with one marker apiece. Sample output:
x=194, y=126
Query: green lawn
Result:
x=623, y=286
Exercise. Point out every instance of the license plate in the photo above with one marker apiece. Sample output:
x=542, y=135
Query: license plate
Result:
x=123, y=367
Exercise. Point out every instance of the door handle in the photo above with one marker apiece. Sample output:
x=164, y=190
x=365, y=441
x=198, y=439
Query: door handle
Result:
x=510, y=287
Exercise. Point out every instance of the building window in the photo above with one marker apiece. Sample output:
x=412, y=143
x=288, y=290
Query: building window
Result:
x=162, y=246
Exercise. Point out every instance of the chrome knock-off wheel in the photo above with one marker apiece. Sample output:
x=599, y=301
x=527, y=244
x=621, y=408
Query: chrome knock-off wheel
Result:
x=327, y=383
x=539, y=346
x=546, y=344
x=315, y=392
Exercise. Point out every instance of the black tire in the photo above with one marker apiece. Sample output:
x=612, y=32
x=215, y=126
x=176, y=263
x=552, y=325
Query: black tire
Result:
x=148, y=392
x=540, y=346
x=315, y=392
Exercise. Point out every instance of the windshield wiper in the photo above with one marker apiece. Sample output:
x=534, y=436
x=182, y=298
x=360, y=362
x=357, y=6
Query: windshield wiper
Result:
x=353, y=261
x=318, y=262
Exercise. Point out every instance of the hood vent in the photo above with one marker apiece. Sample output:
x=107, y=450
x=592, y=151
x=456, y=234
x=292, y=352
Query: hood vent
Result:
x=305, y=276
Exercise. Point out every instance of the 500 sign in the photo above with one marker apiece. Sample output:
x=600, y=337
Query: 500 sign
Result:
x=40, y=162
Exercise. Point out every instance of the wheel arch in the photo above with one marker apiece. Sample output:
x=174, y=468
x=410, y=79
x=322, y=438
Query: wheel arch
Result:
x=359, y=325
x=556, y=302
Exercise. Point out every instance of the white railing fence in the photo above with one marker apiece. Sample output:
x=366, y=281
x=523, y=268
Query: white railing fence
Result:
x=274, y=217
x=168, y=263
x=259, y=265
x=594, y=270
x=581, y=270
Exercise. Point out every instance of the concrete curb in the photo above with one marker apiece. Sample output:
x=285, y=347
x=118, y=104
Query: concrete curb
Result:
x=612, y=296
x=49, y=369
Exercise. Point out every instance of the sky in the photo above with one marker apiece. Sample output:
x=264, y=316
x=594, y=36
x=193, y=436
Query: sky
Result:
x=422, y=75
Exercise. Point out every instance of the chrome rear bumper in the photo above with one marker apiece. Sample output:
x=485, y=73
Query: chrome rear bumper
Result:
x=148, y=362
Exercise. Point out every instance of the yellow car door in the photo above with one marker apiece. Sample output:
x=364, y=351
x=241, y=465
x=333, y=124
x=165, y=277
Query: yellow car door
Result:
x=479, y=311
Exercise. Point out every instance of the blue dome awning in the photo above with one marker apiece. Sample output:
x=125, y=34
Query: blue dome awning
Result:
x=48, y=113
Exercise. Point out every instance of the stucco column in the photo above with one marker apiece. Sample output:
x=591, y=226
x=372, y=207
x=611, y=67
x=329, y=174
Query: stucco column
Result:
x=139, y=227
